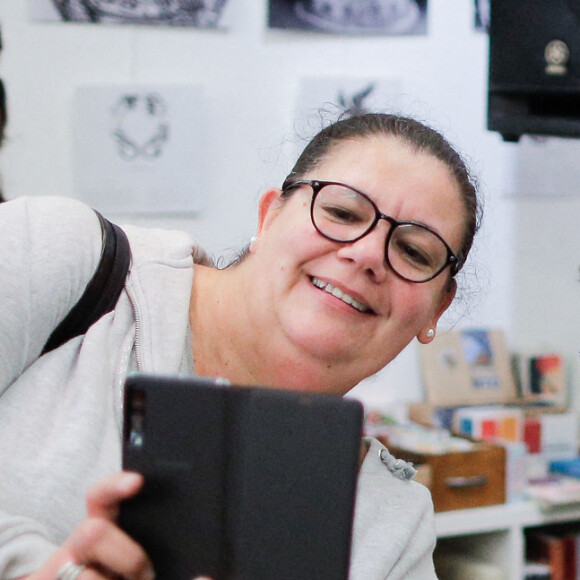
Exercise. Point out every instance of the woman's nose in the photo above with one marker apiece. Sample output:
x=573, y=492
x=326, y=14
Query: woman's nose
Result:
x=369, y=252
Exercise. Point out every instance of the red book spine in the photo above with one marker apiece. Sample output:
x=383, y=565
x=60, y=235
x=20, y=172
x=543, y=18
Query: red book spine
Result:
x=533, y=434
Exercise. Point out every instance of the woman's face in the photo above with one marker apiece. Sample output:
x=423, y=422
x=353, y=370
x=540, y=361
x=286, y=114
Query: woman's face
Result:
x=291, y=260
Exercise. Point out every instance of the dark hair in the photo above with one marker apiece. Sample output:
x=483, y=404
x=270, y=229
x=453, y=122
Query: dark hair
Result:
x=416, y=134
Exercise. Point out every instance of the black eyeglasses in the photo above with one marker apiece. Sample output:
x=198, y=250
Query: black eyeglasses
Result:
x=342, y=213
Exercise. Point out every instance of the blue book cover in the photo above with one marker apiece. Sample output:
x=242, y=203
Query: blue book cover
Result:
x=569, y=467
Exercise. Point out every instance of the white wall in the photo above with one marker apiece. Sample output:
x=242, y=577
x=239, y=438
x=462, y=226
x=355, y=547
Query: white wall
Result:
x=524, y=270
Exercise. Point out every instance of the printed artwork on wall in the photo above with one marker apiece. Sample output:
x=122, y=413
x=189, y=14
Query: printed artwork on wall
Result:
x=350, y=16
x=321, y=101
x=198, y=13
x=139, y=149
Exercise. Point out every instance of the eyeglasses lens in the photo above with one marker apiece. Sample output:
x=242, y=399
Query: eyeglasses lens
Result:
x=416, y=253
x=341, y=213
x=344, y=215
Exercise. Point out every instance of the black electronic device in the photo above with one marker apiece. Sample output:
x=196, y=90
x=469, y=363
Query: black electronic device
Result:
x=534, y=68
x=241, y=483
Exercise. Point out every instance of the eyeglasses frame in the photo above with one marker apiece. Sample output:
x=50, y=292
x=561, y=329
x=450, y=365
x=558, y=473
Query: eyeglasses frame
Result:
x=317, y=185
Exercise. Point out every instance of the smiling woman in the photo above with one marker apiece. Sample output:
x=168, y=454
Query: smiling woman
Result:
x=353, y=257
x=403, y=169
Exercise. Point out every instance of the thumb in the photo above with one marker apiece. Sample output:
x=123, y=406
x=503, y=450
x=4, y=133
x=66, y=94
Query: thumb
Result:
x=104, y=497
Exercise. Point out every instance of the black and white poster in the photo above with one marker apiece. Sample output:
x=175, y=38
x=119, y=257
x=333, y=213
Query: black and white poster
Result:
x=381, y=17
x=196, y=13
x=139, y=149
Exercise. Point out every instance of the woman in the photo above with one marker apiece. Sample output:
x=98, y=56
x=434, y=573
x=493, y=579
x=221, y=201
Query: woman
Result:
x=353, y=258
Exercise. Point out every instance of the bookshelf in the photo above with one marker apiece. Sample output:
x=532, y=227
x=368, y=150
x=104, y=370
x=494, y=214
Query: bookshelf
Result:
x=496, y=533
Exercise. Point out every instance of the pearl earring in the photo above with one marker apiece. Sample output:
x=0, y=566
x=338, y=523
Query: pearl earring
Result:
x=430, y=333
x=253, y=239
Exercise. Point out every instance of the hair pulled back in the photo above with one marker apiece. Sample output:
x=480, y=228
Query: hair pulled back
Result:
x=421, y=137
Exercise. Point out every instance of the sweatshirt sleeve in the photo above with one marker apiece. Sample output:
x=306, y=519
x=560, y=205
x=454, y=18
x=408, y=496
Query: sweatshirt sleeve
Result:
x=394, y=528
x=24, y=546
x=49, y=249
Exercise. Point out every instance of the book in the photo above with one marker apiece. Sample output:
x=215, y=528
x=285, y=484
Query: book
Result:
x=557, y=547
x=554, y=492
x=540, y=377
x=570, y=467
x=548, y=548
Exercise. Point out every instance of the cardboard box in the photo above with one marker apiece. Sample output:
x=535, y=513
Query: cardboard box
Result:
x=463, y=479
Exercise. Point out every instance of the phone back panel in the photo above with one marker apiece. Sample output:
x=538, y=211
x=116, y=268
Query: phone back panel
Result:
x=292, y=491
x=241, y=483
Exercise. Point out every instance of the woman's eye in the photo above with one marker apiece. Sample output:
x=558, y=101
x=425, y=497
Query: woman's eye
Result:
x=342, y=214
x=414, y=254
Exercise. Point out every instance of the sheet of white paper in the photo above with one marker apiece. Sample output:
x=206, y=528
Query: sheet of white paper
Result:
x=139, y=149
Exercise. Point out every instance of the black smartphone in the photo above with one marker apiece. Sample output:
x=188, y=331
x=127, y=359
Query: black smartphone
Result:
x=241, y=483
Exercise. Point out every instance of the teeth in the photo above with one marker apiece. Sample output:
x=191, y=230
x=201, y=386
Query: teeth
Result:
x=338, y=293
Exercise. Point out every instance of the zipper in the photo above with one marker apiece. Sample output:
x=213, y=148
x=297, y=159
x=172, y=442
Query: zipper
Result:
x=132, y=342
x=137, y=332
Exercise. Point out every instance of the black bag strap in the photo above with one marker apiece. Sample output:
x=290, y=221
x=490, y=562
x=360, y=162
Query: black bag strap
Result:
x=103, y=290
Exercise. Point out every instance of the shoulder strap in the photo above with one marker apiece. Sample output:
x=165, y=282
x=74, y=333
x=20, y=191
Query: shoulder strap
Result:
x=103, y=290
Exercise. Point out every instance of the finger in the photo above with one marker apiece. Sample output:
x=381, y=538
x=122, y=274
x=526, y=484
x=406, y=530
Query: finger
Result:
x=104, y=497
x=88, y=573
x=91, y=574
x=101, y=545
x=58, y=566
x=78, y=572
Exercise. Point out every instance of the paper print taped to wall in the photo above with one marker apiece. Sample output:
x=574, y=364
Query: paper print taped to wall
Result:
x=350, y=16
x=197, y=13
x=322, y=101
x=139, y=149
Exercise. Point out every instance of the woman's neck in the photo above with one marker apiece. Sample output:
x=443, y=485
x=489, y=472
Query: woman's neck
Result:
x=227, y=342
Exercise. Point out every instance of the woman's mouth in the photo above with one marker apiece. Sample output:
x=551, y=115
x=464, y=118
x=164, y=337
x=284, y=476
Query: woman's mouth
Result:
x=338, y=293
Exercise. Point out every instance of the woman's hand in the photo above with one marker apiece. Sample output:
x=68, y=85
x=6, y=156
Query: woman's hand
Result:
x=97, y=549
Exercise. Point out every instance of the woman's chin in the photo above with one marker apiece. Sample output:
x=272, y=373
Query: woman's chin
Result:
x=326, y=346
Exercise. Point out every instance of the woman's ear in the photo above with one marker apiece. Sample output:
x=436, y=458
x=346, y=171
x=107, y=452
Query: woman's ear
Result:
x=269, y=207
x=448, y=294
